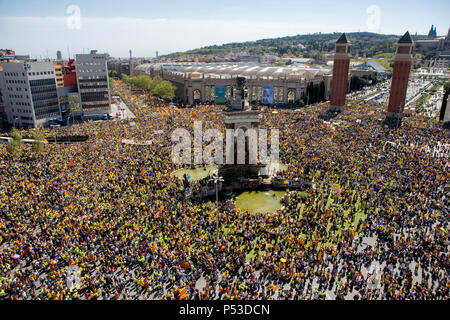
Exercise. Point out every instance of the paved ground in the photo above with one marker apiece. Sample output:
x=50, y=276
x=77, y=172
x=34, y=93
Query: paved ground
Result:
x=119, y=107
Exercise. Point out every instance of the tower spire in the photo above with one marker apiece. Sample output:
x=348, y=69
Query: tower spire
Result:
x=340, y=73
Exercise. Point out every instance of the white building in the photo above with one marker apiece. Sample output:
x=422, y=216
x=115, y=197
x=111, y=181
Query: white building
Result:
x=441, y=63
x=93, y=84
x=29, y=93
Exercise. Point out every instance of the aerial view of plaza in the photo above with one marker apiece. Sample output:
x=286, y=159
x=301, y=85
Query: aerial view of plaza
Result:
x=244, y=150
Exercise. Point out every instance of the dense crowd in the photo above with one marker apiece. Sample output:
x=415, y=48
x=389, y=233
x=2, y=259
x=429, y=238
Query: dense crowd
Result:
x=373, y=226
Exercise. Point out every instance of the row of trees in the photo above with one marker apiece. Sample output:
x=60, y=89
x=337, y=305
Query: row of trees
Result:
x=15, y=146
x=156, y=86
x=315, y=45
x=357, y=83
x=444, y=105
x=315, y=93
x=113, y=73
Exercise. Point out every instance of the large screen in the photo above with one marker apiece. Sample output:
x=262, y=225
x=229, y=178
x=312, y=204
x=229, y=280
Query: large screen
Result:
x=221, y=91
x=267, y=95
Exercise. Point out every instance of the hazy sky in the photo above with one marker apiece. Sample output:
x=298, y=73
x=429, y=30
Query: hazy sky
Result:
x=41, y=26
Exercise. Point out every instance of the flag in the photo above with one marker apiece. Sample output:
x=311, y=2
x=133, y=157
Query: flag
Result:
x=183, y=293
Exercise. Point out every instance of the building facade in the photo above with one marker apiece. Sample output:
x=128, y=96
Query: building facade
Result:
x=93, y=84
x=197, y=83
x=370, y=68
x=29, y=93
x=3, y=117
x=58, y=66
x=122, y=67
x=8, y=55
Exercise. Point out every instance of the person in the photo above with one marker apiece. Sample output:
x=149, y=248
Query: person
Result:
x=118, y=213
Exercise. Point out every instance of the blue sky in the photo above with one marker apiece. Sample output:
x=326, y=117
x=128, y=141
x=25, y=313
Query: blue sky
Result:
x=38, y=27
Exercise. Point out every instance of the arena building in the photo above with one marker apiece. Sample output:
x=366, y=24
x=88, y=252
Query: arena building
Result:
x=269, y=85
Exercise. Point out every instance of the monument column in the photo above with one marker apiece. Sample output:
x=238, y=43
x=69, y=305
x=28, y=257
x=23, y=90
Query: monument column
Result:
x=400, y=77
x=340, y=73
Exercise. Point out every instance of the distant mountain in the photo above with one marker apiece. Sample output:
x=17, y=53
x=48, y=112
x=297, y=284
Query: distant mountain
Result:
x=309, y=45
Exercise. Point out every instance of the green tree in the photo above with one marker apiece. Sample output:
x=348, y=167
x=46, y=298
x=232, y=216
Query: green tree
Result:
x=155, y=86
x=164, y=90
x=38, y=143
x=15, y=145
x=155, y=82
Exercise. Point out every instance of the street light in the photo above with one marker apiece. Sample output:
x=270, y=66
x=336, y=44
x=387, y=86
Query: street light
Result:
x=217, y=179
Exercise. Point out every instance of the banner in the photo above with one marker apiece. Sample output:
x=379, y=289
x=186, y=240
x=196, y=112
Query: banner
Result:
x=221, y=91
x=267, y=95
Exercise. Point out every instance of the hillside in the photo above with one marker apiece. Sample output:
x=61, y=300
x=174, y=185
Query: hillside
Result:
x=314, y=45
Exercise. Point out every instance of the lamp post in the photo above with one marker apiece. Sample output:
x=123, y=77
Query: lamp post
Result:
x=217, y=179
x=68, y=123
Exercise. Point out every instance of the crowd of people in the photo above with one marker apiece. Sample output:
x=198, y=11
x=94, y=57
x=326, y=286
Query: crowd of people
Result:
x=374, y=225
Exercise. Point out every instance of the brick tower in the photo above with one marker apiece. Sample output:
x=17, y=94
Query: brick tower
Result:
x=400, y=76
x=340, y=73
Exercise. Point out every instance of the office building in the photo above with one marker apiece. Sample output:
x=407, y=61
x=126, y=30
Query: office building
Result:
x=2, y=106
x=93, y=84
x=29, y=93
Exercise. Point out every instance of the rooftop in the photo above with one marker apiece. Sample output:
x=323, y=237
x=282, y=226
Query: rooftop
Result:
x=371, y=65
x=342, y=39
x=245, y=70
x=406, y=38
